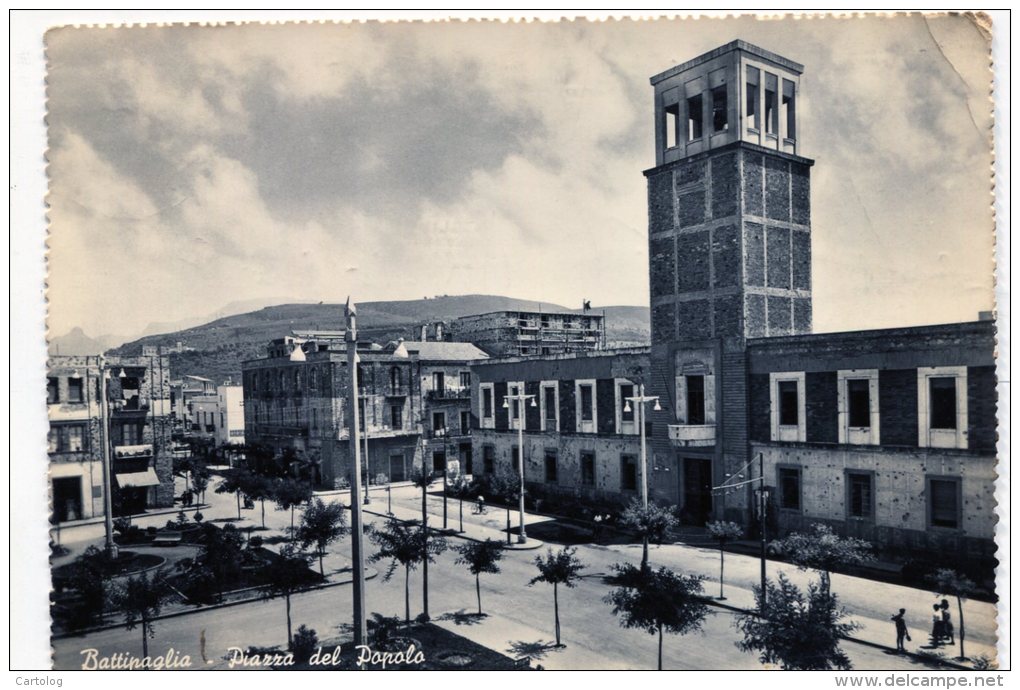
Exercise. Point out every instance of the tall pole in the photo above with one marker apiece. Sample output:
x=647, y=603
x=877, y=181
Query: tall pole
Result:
x=104, y=406
x=425, y=539
x=357, y=531
x=522, y=537
x=761, y=514
x=644, y=452
x=368, y=464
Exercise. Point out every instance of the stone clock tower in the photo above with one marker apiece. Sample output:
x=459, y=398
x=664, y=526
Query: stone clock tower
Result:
x=729, y=230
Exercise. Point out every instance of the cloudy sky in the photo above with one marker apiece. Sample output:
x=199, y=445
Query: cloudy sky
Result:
x=193, y=167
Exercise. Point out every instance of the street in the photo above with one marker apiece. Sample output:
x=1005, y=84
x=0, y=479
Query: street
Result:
x=521, y=617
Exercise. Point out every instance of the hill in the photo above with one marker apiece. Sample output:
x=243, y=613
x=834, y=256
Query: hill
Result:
x=216, y=349
x=75, y=342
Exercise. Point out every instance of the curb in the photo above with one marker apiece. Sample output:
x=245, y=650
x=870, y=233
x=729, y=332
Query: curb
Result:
x=867, y=643
x=369, y=574
x=530, y=545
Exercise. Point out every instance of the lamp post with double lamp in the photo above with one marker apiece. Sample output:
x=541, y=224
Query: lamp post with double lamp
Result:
x=640, y=400
x=104, y=411
x=357, y=531
x=520, y=399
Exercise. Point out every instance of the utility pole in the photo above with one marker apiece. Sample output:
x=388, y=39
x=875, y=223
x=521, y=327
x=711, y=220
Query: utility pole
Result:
x=761, y=514
x=357, y=529
x=519, y=399
x=104, y=406
x=368, y=464
x=425, y=538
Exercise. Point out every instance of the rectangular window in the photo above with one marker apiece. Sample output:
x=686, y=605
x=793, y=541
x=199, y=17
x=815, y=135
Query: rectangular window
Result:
x=465, y=379
x=130, y=433
x=720, y=119
x=487, y=403
x=489, y=459
x=438, y=421
x=788, y=403
x=551, y=474
x=75, y=390
x=858, y=393
x=943, y=402
x=789, y=109
x=587, y=468
x=515, y=459
x=465, y=422
x=751, y=114
x=942, y=407
x=396, y=417
x=551, y=408
x=695, y=399
x=944, y=503
x=672, y=129
x=438, y=381
x=695, y=118
x=771, y=104
x=628, y=473
x=52, y=390
x=860, y=501
x=627, y=407
x=789, y=488
x=587, y=402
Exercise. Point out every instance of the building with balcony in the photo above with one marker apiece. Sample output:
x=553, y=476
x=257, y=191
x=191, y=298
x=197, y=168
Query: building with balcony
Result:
x=530, y=333
x=134, y=426
x=888, y=435
x=295, y=403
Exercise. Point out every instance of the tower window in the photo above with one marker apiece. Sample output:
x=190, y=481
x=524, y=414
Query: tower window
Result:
x=771, y=104
x=720, y=122
x=751, y=114
x=672, y=132
x=695, y=118
x=789, y=110
x=695, y=399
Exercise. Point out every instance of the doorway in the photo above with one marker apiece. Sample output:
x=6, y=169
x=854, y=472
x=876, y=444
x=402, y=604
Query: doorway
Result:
x=396, y=468
x=697, y=491
x=67, y=499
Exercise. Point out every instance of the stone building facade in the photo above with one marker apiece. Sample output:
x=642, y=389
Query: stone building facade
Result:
x=295, y=402
x=138, y=431
x=579, y=440
x=530, y=333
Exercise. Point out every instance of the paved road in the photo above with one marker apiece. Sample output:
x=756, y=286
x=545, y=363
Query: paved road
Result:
x=523, y=614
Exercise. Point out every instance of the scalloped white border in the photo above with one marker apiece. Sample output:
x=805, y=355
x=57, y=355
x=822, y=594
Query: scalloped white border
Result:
x=29, y=615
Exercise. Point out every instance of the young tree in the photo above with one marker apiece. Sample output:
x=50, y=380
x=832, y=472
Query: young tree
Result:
x=288, y=494
x=949, y=583
x=822, y=549
x=141, y=599
x=559, y=568
x=321, y=525
x=652, y=524
x=723, y=532
x=200, y=482
x=89, y=580
x=507, y=486
x=460, y=489
x=798, y=633
x=657, y=600
x=258, y=488
x=423, y=479
x=234, y=483
x=287, y=574
x=406, y=545
x=480, y=557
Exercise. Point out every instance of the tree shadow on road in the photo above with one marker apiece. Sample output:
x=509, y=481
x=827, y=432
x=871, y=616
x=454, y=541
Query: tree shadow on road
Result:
x=534, y=650
x=462, y=617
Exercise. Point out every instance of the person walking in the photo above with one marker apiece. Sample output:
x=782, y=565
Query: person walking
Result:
x=901, y=630
x=480, y=505
x=936, y=626
x=947, y=622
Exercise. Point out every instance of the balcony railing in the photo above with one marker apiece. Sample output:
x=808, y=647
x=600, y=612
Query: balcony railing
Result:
x=448, y=393
x=136, y=451
x=692, y=435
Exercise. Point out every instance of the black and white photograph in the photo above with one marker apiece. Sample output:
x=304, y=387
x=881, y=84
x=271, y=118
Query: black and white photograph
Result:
x=564, y=344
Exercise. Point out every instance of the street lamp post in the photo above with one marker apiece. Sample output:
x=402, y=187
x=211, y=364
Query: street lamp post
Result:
x=640, y=400
x=104, y=404
x=520, y=399
x=368, y=476
x=357, y=531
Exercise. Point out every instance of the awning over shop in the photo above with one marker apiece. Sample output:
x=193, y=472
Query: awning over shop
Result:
x=129, y=479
